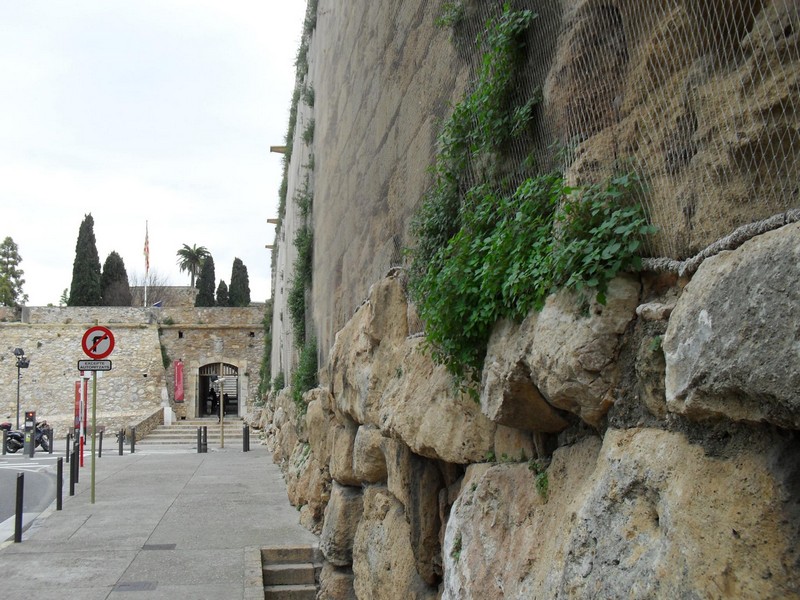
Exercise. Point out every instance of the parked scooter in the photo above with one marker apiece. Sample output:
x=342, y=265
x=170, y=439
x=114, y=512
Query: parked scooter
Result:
x=16, y=439
x=43, y=435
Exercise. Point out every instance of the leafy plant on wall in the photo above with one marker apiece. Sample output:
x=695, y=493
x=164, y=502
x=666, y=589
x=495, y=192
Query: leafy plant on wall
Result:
x=493, y=243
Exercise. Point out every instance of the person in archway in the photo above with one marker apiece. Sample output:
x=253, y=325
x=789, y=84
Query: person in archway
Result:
x=214, y=400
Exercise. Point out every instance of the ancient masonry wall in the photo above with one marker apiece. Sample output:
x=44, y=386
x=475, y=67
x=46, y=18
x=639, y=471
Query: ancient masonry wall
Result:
x=642, y=448
x=138, y=383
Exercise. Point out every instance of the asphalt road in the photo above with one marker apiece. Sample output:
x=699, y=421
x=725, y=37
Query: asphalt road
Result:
x=40, y=482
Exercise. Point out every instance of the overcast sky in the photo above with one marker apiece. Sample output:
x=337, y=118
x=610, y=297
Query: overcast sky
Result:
x=158, y=111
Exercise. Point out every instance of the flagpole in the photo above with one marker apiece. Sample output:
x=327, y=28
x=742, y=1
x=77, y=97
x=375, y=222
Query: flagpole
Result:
x=146, y=261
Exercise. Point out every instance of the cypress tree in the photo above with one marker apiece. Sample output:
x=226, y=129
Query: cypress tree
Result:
x=205, y=283
x=240, y=284
x=85, y=289
x=114, y=282
x=222, y=294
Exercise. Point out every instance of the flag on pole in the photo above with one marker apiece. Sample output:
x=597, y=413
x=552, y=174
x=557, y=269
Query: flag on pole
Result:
x=146, y=250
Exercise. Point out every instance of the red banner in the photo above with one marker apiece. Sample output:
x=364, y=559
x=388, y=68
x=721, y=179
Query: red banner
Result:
x=178, y=380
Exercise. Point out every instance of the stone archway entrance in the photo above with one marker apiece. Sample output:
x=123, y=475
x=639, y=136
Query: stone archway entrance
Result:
x=218, y=382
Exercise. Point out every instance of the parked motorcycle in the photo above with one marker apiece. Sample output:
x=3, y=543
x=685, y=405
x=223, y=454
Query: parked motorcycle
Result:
x=16, y=439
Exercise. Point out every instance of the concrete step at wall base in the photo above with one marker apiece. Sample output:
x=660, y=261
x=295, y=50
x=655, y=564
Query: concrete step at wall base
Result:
x=291, y=572
x=290, y=592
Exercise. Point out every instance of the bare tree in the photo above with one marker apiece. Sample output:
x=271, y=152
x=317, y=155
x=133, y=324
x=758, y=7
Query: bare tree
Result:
x=157, y=288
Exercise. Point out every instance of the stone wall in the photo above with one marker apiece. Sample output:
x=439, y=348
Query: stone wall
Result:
x=132, y=389
x=138, y=384
x=38, y=315
x=592, y=466
x=642, y=448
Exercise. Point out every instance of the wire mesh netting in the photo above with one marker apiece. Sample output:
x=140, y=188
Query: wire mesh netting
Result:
x=698, y=98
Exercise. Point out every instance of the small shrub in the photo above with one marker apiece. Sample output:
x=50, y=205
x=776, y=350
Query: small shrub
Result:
x=165, y=360
x=542, y=484
x=304, y=377
x=308, y=96
x=310, y=22
x=308, y=132
x=655, y=343
x=278, y=382
x=451, y=14
x=455, y=553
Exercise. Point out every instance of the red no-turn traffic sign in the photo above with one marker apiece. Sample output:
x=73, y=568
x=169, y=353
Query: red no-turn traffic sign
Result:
x=98, y=342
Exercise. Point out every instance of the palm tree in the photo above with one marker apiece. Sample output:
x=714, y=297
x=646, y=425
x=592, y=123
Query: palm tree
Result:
x=191, y=259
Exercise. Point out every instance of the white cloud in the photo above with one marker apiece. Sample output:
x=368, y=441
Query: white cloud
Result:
x=143, y=110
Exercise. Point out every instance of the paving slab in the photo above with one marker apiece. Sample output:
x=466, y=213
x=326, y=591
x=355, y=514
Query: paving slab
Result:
x=164, y=525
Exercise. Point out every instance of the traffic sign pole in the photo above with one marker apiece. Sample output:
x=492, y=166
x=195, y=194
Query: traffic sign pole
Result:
x=97, y=343
x=94, y=424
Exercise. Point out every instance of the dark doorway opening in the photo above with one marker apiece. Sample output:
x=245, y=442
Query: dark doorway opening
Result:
x=218, y=387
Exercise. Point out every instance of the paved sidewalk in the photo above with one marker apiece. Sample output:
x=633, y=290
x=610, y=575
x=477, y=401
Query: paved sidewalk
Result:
x=165, y=524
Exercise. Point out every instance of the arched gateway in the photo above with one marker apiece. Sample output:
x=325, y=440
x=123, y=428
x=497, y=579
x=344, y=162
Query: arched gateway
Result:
x=218, y=383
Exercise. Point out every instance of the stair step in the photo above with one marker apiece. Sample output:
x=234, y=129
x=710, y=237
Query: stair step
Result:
x=290, y=555
x=184, y=433
x=289, y=574
x=290, y=592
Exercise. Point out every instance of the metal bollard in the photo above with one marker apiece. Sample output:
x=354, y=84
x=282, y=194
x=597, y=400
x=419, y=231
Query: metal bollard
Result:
x=72, y=466
x=59, y=483
x=199, y=440
x=133, y=440
x=18, y=516
x=100, y=447
x=75, y=462
x=50, y=439
x=69, y=439
x=121, y=440
x=205, y=439
x=5, y=437
x=245, y=441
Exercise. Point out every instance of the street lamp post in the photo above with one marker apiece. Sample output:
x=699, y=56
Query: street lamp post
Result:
x=22, y=363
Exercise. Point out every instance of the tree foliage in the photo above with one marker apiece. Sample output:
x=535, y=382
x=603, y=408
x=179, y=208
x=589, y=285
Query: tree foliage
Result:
x=240, y=285
x=205, y=284
x=223, y=299
x=11, y=280
x=190, y=259
x=85, y=289
x=114, y=282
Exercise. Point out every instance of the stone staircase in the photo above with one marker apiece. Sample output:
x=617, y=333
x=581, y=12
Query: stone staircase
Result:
x=291, y=573
x=184, y=433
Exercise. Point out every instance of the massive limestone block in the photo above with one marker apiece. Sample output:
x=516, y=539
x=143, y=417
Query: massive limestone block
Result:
x=561, y=359
x=508, y=396
x=341, y=519
x=420, y=407
x=319, y=424
x=341, y=464
x=732, y=346
x=647, y=515
x=336, y=583
x=369, y=464
x=285, y=442
x=363, y=357
x=383, y=558
x=308, y=486
x=416, y=483
x=572, y=356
